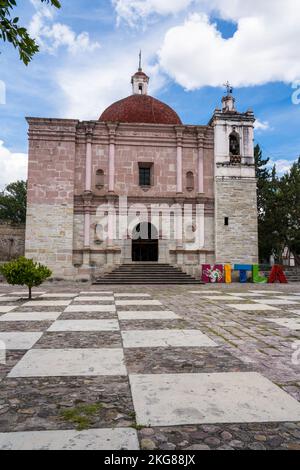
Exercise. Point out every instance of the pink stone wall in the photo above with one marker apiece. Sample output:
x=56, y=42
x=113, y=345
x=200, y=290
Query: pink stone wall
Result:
x=50, y=208
x=51, y=164
x=143, y=143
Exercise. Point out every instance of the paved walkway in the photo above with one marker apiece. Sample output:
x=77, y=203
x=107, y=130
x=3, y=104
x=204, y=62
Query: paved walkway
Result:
x=175, y=367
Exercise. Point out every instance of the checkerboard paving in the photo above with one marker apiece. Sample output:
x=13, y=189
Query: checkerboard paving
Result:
x=292, y=323
x=147, y=367
x=93, y=439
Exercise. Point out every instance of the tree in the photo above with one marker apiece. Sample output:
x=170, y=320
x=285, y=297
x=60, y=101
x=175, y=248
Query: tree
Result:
x=13, y=202
x=12, y=32
x=271, y=227
x=278, y=202
x=25, y=272
x=290, y=188
x=263, y=176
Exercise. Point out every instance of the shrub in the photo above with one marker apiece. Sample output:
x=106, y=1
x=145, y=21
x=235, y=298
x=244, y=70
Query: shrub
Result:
x=25, y=272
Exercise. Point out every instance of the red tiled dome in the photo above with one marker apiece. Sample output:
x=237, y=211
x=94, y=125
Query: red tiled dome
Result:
x=140, y=109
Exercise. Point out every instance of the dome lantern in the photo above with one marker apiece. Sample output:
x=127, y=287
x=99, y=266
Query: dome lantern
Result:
x=140, y=80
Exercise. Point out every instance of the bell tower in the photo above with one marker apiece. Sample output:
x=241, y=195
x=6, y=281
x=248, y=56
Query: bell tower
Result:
x=140, y=80
x=236, y=229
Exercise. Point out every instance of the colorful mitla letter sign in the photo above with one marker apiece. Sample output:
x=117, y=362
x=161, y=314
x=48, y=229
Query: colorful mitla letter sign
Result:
x=277, y=275
x=243, y=269
x=210, y=274
x=223, y=273
x=257, y=277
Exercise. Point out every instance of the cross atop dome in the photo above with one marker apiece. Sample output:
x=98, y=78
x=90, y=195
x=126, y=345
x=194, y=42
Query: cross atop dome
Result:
x=140, y=80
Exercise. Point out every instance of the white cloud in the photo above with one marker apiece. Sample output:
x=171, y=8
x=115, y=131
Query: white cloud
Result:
x=13, y=166
x=261, y=125
x=131, y=11
x=52, y=35
x=263, y=49
x=282, y=166
x=95, y=86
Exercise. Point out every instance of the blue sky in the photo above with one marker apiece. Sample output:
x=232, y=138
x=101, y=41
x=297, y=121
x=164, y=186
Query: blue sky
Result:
x=89, y=49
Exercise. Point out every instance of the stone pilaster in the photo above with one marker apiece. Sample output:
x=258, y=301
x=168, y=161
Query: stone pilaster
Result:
x=200, y=140
x=87, y=204
x=179, y=140
x=88, y=160
x=111, y=156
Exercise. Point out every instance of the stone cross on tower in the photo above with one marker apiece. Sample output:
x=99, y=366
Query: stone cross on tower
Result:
x=228, y=101
x=229, y=88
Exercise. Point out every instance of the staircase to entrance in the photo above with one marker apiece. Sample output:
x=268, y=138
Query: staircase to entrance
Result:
x=147, y=273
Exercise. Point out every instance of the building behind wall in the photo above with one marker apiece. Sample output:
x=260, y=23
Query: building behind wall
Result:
x=139, y=148
x=12, y=240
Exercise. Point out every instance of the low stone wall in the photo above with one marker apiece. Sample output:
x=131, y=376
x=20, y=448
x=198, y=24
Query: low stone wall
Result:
x=12, y=241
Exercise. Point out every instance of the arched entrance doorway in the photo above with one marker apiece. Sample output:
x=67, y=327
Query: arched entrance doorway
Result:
x=145, y=243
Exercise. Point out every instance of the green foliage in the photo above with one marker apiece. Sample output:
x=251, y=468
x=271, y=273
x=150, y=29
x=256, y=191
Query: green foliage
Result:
x=25, y=272
x=82, y=415
x=12, y=32
x=278, y=210
x=290, y=188
x=13, y=202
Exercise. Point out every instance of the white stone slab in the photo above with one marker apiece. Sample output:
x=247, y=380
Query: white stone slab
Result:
x=5, y=309
x=132, y=295
x=246, y=294
x=93, y=299
x=221, y=297
x=19, y=340
x=293, y=298
x=47, y=303
x=25, y=292
x=206, y=292
x=148, y=315
x=85, y=325
x=127, y=303
x=96, y=292
x=92, y=439
x=297, y=312
x=165, y=338
x=276, y=302
x=267, y=291
x=30, y=316
x=58, y=296
x=70, y=362
x=291, y=323
x=238, y=397
x=90, y=308
x=251, y=307
x=9, y=299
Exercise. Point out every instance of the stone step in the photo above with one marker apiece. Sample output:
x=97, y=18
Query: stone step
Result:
x=140, y=282
x=147, y=274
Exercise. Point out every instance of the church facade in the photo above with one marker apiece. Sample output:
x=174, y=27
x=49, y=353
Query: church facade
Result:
x=94, y=186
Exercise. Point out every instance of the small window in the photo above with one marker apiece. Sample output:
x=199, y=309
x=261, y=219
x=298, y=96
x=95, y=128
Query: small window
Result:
x=190, y=181
x=141, y=88
x=226, y=221
x=145, y=174
x=99, y=179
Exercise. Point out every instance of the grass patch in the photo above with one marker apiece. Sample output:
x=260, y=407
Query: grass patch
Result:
x=135, y=426
x=82, y=415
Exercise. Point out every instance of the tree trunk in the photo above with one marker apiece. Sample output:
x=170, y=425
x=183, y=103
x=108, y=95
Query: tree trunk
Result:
x=30, y=296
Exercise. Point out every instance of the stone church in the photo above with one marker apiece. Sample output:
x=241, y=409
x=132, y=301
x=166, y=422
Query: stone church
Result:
x=140, y=151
